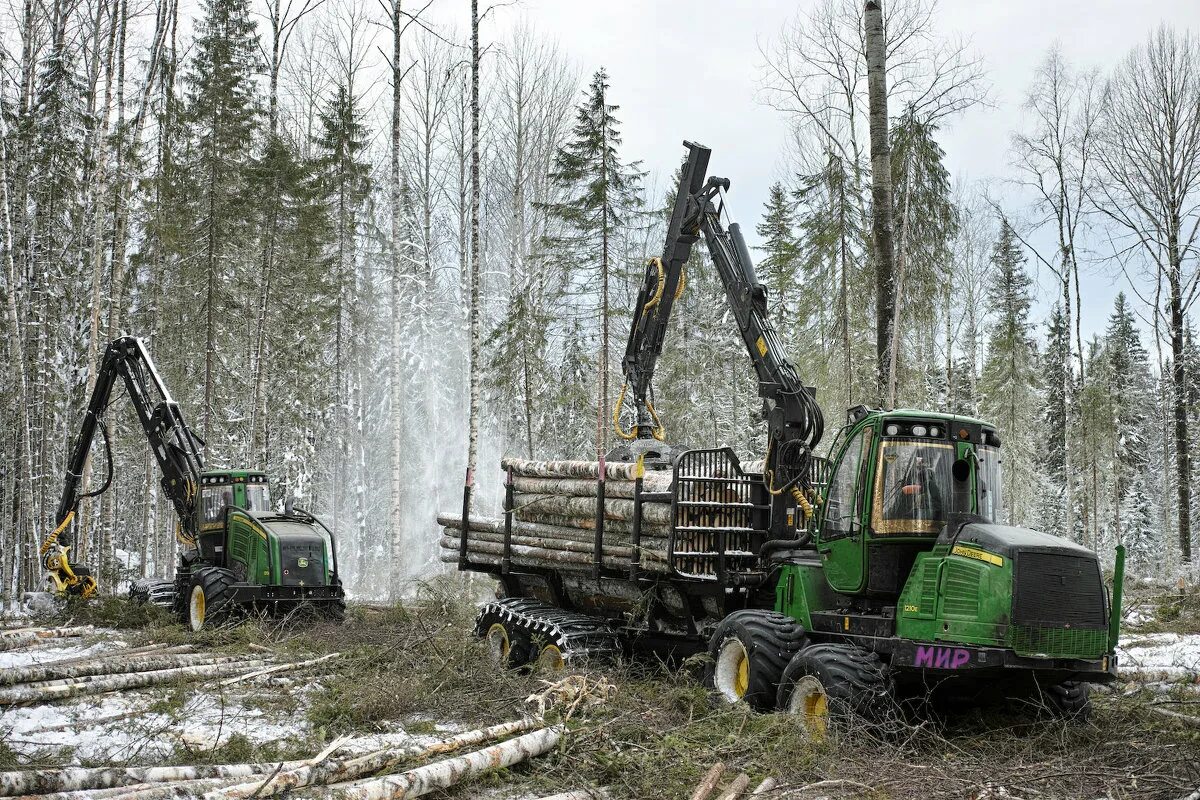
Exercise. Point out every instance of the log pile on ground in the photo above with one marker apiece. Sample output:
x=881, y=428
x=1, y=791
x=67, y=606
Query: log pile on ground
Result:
x=138, y=668
x=554, y=518
x=20, y=638
x=369, y=776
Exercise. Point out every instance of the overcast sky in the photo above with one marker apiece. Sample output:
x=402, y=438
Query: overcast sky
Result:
x=689, y=70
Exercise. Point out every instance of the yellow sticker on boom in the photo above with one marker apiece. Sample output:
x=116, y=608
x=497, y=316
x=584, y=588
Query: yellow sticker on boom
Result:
x=978, y=555
x=762, y=346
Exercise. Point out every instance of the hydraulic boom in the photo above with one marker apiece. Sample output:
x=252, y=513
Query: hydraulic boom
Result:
x=794, y=421
x=176, y=448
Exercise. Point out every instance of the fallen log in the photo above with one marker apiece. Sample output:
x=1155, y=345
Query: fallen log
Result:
x=737, y=787
x=48, y=673
x=25, y=639
x=110, y=683
x=444, y=774
x=349, y=769
x=768, y=785
x=77, y=779
x=278, y=668
x=708, y=784
x=160, y=648
x=585, y=508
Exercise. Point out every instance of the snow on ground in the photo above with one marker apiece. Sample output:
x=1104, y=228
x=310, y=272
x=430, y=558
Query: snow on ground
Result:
x=1160, y=656
x=146, y=724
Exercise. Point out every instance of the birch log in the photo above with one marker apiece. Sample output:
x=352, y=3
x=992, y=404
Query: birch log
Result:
x=583, y=487
x=590, y=470
x=288, y=667
x=18, y=640
x=495, y=527
x=443, y=774
x=652, y=548
x=708, y=784
x=309, y=774
x=108, y=666
x=111, y=683
x=585, y=507
x=536, y=556
x=68, y=780
x=619, y=531
x=160, y=648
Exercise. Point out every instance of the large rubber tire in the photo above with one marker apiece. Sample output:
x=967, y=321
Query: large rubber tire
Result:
x=154, y=591
x=749, y=651
x=210, y=601
x=1070, y=700
x=833, y=683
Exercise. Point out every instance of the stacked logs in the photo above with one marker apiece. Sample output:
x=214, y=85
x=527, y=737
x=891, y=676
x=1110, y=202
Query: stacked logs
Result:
x=554, y=518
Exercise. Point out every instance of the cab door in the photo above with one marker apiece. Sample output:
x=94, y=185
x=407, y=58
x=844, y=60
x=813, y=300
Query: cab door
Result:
x=842, y=542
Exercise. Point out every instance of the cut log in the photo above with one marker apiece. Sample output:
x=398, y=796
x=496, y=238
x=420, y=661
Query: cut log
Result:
x=278, y=668
x=535, y=556
x=108, y=655
x=736, y=788
x=585, y=508
x=15, y=641
x=768, y=785
x=110, y=683
x=582, y=487
x=46, y=673
x=444, y=774
x=618, y=471
x=76, y=779
x=583, y=533
x=577, y=545
x=708, y=784
x=309, y=773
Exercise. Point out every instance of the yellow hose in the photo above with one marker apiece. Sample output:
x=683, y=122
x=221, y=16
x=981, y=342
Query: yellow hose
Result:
x=52, y=539
x=662, y=282
x=626, y=435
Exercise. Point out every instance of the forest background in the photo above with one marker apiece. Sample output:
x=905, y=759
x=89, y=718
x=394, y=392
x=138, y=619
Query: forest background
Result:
x=277, y=196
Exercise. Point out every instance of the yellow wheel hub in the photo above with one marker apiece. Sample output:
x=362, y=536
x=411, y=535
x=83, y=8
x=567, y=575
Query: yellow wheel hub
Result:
x=498, y=643
x=197, y=608
x=741, y=681
x=551, y=659
x=731, y=674
x=810, y=702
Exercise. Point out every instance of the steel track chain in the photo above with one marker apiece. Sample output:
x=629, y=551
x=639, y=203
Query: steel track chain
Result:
x=579, y=637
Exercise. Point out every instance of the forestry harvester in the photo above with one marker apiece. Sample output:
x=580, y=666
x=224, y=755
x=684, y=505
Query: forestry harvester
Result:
x=819, y=587
x=236, y=553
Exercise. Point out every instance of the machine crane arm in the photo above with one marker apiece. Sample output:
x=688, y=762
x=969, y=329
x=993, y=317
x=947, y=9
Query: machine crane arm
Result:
x=176, y=448
x=794, y=420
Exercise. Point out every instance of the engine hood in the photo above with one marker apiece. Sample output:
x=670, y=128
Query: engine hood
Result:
x=1007, y=540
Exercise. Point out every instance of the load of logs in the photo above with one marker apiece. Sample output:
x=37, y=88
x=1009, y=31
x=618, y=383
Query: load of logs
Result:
x=554, y=518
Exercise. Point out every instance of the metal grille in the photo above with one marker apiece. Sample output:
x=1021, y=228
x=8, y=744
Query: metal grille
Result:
x=962, y=589
x=1058, y=590
x=1059, y=642
x=718, y=516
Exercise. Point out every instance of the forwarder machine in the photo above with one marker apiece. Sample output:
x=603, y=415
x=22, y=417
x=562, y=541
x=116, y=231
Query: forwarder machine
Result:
x=820, y=587
x=236, y=554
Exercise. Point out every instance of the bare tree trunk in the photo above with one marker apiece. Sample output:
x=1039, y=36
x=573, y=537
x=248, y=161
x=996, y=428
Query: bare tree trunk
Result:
x=881, y=195
x=473, y=326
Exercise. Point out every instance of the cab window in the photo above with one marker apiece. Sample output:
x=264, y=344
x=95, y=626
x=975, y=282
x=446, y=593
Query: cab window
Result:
x=915, y=487
x=843, y=502
x=213, y=500
x=991, y=484
x=258, y=497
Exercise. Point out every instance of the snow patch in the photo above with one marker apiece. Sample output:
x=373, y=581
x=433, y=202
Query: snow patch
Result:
x=1160, y=656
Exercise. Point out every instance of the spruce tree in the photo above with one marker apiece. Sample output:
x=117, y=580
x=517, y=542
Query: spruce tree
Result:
x=779, y=265
x=603, y=194
x=1127, y=378
x=222, y=116
x=1054, y=363
x=1009, y=383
